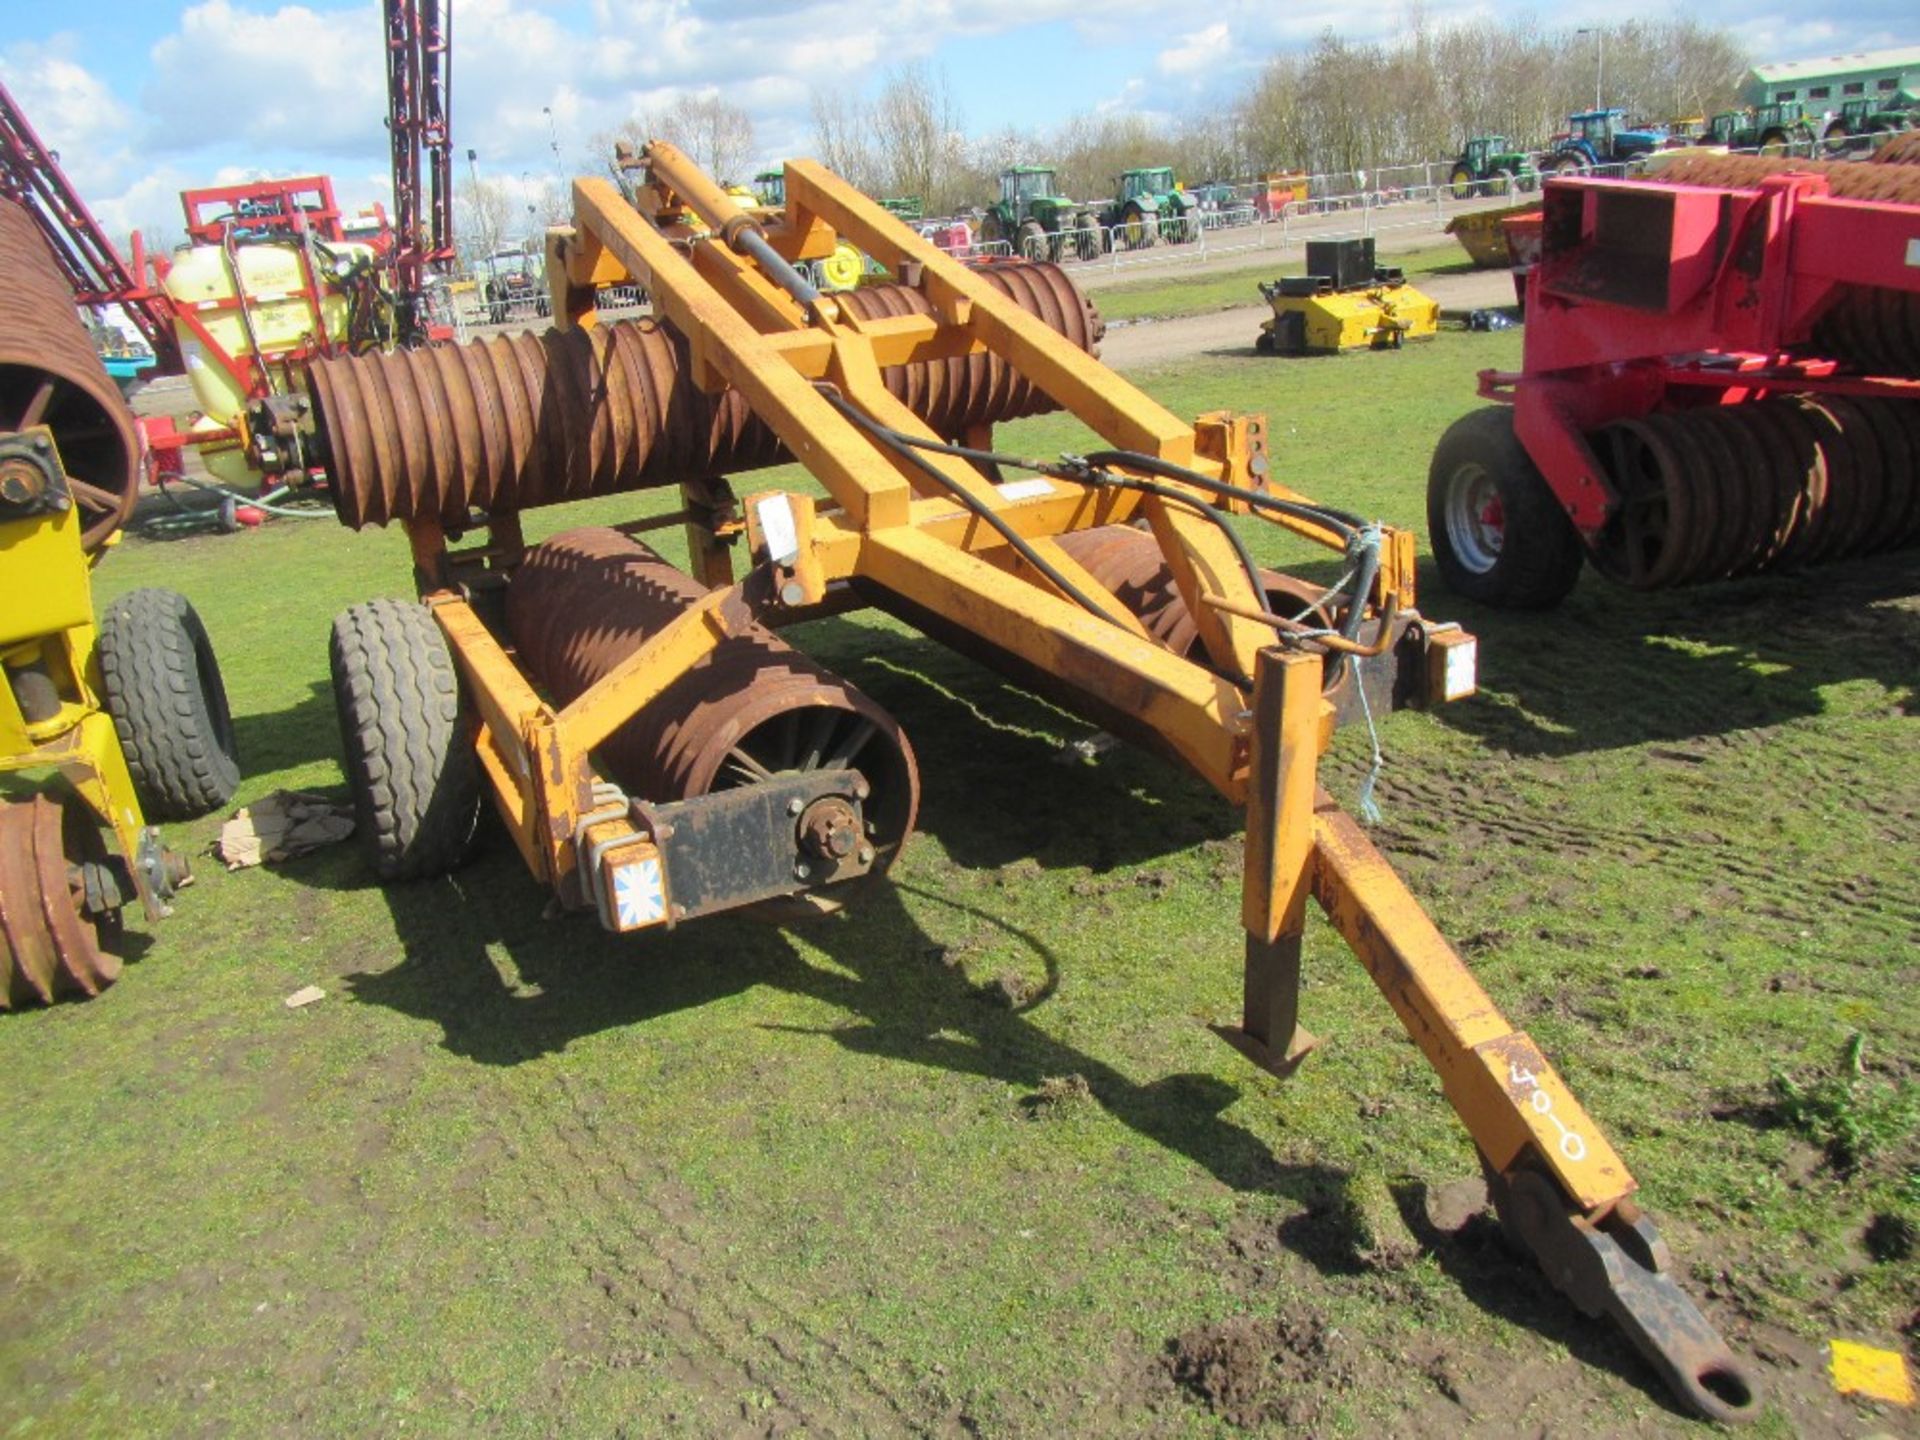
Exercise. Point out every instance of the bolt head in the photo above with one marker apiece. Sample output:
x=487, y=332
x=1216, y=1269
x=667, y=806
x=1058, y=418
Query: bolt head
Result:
x=801, y=872
x=795, y=806
x=866, y=855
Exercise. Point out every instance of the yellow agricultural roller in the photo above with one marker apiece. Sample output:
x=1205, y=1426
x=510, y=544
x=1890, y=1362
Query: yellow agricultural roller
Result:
x=98, y=719
x=658, y=752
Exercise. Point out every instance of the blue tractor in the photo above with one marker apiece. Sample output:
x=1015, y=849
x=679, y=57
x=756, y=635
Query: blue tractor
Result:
x=1600, y=137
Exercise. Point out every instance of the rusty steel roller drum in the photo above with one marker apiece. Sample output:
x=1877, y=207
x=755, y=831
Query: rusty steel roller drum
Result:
x=1129, y=562
x=50, y=375
x=514, y=422
x=952, y=394
x=1849, y=179
x=1903, y=149
x=1721, y=491
x=585, y=600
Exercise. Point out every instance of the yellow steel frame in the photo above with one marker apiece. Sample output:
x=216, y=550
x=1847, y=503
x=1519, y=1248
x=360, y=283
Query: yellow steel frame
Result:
x=885, y=523
x=48, y=622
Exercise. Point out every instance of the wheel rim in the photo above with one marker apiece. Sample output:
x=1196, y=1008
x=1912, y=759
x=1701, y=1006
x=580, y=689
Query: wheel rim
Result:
x=1476, y=518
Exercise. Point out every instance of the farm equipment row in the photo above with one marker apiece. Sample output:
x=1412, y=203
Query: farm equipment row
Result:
x=659, y=754
x=1721, y=377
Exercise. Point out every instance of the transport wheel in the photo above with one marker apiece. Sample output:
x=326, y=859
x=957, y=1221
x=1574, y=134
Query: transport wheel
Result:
x=168, y=704
x=1498, y=534
x=410, y=757
x=51, y=933
x=1139, y=233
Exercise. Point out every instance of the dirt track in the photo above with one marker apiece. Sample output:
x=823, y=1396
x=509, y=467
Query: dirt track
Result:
x=1231, y=332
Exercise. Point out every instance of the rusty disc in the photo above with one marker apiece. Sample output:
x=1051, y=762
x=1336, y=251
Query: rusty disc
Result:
x=1646, y=541
x=1901, y=423
x=1811, y=432
x=1859, y=468
x=1719, y=507
x=1896, y=475
x=1791, y=501
x=49, y=945
x=1759, y=480
x=1804, y=482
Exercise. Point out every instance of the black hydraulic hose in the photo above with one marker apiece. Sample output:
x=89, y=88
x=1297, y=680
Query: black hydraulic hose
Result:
x=894, y=440
x=1199, y=507
x=1347, y=525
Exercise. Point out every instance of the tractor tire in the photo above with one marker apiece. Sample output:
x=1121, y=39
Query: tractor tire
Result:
x=1502, y=182
x=1774, y=143
x=1139, y=230
x=1498, y=534
x=1461, y=183
x=162, y=687
x=1032, y=241
x=411, y=764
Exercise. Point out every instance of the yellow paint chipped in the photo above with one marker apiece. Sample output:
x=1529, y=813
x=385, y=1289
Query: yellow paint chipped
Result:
x=1877, y=1374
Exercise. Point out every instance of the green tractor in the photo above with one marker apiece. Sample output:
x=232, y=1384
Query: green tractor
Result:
x=909, y=208
x=1851, y=128
x=1038, y=221
x=1488, y=166
x=771, y=187
x=1150, y=208
x=1778, y=129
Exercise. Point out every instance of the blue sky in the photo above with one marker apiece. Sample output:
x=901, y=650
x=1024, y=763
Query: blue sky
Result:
x=145, y=97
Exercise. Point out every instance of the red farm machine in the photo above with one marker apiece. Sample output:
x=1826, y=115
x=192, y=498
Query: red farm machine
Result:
x=1721, y=377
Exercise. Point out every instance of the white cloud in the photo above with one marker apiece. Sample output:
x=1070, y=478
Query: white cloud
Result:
x=1198, y=52
x=70, y=108
x=241, y=81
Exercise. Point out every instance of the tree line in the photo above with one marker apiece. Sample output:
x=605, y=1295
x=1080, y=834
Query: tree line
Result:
x=1337, y=107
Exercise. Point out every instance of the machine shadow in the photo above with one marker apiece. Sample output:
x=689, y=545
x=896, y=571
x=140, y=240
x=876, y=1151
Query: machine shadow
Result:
x=1005, y=774
x=276, y=740
x=506, y=986
x=1696, y=662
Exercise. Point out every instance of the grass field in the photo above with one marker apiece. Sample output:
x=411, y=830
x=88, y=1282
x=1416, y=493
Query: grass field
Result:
x=967, y=1159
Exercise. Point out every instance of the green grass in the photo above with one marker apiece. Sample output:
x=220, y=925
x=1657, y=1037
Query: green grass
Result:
x=515, y=1177
x=1166, y=298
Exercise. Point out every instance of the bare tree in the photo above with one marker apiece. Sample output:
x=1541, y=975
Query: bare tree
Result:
x=714, y=133
x=485, y=215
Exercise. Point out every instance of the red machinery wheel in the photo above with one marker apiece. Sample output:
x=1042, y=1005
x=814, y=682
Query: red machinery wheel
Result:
x=1498, y=534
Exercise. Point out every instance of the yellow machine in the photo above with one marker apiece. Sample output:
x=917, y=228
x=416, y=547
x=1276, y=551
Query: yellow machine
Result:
x=658, y=753
x=94, y=719
x=1344, y=302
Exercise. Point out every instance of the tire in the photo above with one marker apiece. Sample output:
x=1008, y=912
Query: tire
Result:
x=1525, y=557
x=1461, y=183
x=1140, y=232
x=162, y=687
x=1503, y=181
x=1032, y=241
x=410, y=760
